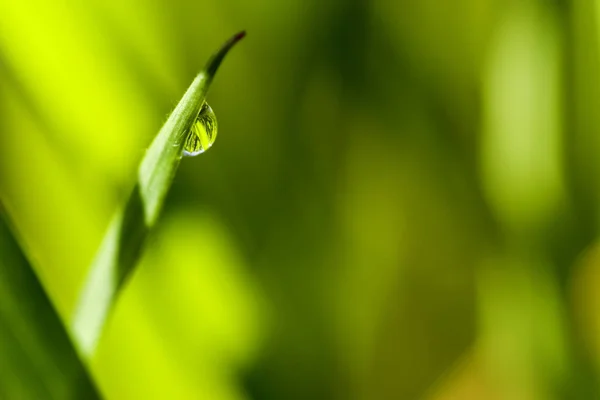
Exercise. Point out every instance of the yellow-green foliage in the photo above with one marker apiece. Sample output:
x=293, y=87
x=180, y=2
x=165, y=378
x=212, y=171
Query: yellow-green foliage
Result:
x=403, y=203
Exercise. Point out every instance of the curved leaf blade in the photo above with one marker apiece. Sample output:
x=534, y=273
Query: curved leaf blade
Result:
x=123, y=242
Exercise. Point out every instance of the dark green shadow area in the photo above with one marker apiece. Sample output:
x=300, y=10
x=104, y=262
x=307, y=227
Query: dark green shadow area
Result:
x=133, y=237
x=38, y=359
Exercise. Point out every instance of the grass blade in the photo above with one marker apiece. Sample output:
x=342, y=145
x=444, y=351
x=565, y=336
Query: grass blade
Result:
x=38, y=359
x=125, y=237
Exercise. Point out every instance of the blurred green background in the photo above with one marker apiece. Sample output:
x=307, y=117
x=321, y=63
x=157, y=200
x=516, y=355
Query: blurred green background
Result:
x=403, y=201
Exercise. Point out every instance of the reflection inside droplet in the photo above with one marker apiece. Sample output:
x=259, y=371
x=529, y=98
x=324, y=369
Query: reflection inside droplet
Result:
x=202, y=134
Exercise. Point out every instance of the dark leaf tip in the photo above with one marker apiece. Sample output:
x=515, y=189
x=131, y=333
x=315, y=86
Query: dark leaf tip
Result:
x=215, y=61
x=240, y=35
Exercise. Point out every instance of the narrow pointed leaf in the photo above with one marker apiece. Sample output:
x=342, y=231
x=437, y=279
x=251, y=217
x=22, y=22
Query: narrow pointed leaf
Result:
x=123, y=242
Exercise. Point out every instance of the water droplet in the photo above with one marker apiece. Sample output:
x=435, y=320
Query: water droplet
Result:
x=203, y=132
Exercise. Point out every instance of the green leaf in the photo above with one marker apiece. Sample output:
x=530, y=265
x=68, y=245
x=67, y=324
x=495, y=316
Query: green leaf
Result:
x=38, y=359
x=123, y=242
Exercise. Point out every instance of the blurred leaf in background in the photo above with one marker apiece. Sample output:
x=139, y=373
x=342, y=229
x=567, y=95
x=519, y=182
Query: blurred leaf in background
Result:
x=402, y=202
x=38, y=359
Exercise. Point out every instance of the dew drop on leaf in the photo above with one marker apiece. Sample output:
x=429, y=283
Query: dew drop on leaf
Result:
x=202, y=134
